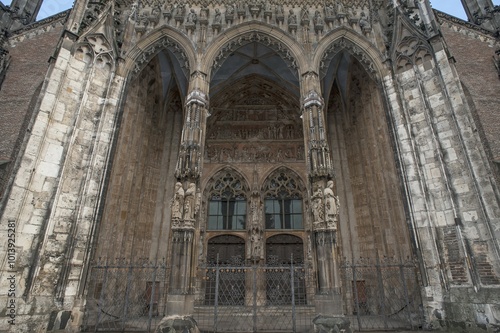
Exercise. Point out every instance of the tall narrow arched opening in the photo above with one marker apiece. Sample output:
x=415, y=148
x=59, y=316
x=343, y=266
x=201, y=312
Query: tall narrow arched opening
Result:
x=136, y=211
x=372, y=217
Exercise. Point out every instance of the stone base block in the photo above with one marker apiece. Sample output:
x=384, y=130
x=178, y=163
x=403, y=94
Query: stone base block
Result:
x=327, y=324
x=329, y=304
x=177, y=324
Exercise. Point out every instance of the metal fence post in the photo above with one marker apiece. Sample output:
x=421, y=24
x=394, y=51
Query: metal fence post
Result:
x=405, y=289
x=381, y=290
x=216, y=301
x=292, y=281
x=101, y=296
x=127, y=290
x=254, y=293
x=356, y=298
x=151, y=298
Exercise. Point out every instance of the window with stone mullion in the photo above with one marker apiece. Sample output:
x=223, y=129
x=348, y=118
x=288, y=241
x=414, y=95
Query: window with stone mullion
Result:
x=283, y=201
x=227, y=202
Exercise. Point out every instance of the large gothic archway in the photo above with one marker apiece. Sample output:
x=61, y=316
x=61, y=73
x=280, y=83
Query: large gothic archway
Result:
x=136, y=212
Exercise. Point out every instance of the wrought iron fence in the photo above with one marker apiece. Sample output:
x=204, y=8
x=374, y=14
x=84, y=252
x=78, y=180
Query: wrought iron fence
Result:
x=384, y=294
x=124, y=296
x=255, y=299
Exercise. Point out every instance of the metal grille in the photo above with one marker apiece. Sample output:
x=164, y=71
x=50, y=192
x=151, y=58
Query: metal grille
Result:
x=382, y=295
x=124, y=296
x=255, y=298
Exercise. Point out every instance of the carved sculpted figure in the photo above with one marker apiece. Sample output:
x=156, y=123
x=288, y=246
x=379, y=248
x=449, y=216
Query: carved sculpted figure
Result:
x=331, y=207
x=217, y=18
x=329, y=11
x=192, y=17
x=279, y=10
x=292, y=18
x=363, y=23
x=190, y=202
x=178, y=202
x=304, y=16
x=318, y=20
x=317, y=206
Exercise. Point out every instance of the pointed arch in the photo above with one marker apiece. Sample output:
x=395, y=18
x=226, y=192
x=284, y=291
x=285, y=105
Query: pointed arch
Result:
x=154, y=42
x=283, y=181
x=288, y=48
x=226, y=195
x=358, y=46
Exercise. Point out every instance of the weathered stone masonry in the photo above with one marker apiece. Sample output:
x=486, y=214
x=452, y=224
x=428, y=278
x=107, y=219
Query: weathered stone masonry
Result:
x=125, y=115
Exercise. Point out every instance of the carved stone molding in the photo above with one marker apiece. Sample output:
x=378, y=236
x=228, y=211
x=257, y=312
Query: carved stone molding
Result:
x=152, y=50
x=344, y=44
x=251, y=37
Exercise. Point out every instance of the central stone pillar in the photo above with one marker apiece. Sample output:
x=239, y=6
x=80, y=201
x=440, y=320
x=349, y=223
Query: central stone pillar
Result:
x=323, y=201
x=185, y=207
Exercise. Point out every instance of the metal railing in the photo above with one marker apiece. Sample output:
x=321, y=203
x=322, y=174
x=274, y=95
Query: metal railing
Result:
x=125, y=296
x=382, y=294
x=255, y=299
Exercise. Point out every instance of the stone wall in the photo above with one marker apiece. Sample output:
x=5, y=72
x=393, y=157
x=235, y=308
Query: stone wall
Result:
x=30, y=52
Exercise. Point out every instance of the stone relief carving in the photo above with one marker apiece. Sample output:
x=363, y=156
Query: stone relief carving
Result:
x=235, y=135
x=146, y=15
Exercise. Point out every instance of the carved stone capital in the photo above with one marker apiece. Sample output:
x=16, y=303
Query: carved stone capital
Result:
x=198, y=97
x=313, y=98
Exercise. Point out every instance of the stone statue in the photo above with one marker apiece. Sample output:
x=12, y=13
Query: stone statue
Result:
x=230, y=10
x=217, y=17
x=178, y=202
x=191, y=17
x=329, y=11
x=190, y=202
x=318, y=21
x=255, y=240
x=304, y=16
x=292, y=18
x=317, y=206
x=279, y=10
x=364, y=24
x=331, y=206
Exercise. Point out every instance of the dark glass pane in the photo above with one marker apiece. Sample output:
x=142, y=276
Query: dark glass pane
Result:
x=297, y=221
x=214, y=208
x=213, y=223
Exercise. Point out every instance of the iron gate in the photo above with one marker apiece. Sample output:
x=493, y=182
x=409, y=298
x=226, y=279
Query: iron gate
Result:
x=255, y=298
x=382, y=295
x=123, y=296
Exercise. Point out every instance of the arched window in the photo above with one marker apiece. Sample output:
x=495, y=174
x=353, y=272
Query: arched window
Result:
x=227, y=204
x=283, y=200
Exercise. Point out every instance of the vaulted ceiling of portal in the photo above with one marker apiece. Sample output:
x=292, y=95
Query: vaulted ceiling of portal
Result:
x=255, y=61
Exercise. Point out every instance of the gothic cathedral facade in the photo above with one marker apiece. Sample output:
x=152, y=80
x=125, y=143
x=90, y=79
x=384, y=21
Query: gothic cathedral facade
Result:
x=280, y=159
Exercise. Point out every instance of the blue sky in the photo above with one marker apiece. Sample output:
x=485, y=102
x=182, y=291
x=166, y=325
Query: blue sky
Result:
x=453, y=7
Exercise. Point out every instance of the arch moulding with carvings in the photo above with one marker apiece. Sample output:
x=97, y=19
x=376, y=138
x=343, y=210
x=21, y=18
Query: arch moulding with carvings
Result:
x=353, y=40
x=151, y=44
x=279, y=38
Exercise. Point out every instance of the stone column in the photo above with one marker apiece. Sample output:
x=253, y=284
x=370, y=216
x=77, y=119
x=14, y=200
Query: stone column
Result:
x=185, y=205
x=324, y=222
